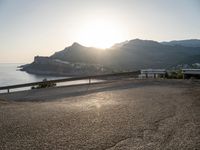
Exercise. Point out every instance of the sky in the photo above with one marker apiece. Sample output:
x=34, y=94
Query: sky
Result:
x=42, y=27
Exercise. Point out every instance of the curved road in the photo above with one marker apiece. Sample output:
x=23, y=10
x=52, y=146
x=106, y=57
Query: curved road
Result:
x=131, y=114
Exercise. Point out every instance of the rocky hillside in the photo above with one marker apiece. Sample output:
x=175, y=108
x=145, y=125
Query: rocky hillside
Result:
x=129, y=55
x=133, y=54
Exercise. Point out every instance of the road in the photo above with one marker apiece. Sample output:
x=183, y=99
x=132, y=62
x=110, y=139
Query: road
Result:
x=131, y=114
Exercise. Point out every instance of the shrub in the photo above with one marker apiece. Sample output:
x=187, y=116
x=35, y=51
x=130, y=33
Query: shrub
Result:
x=44, y=84
x=175, y=75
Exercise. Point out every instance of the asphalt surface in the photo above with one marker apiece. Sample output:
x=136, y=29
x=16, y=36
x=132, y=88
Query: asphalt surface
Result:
x=132, y=114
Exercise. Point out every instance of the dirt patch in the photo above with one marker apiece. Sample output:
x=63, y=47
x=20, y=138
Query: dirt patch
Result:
x=3, y=102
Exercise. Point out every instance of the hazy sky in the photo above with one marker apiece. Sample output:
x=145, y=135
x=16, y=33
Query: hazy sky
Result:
x=41, y=27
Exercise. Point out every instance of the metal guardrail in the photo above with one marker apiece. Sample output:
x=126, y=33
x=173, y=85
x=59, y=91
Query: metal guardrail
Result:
x=69, y=79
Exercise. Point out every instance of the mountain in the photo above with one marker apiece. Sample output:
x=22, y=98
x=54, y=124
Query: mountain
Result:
x=137, y=54
x=186, y=43
x=129, y=55
x=117, y=45
x=134, y=54
x=78, y=53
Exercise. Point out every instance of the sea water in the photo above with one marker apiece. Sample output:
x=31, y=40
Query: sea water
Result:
x=11, y=75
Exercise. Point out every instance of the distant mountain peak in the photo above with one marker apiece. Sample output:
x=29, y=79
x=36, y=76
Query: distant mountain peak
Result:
x=139, y=42
x=143, y=41
x=75, y=44
x=118, y=45
x=186, y=43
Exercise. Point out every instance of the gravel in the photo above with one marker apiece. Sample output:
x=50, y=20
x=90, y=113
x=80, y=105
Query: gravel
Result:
x=130, y=114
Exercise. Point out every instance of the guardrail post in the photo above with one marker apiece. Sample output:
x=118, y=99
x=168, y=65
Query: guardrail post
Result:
x=89, y=80
x=8, y=90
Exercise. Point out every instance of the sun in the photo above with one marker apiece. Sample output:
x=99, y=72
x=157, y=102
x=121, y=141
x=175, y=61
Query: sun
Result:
x=100, y=33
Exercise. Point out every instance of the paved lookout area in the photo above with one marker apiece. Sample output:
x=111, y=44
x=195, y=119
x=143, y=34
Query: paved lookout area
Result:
x=131, y=114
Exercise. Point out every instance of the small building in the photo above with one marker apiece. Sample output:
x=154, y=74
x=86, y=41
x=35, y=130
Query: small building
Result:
x=152, y=73
x=191, y=73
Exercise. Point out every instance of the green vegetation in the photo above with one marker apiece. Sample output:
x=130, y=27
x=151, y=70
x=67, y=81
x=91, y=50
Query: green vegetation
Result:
x=175, y=75
x=45, y=84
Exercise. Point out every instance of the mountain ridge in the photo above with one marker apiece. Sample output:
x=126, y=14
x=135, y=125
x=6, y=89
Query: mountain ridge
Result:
x=129, y=55
x=186, y=43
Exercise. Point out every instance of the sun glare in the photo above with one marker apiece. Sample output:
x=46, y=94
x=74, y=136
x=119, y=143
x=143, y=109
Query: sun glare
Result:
x=101, y=33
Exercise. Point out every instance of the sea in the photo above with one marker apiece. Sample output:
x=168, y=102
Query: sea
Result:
x=11, y=75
